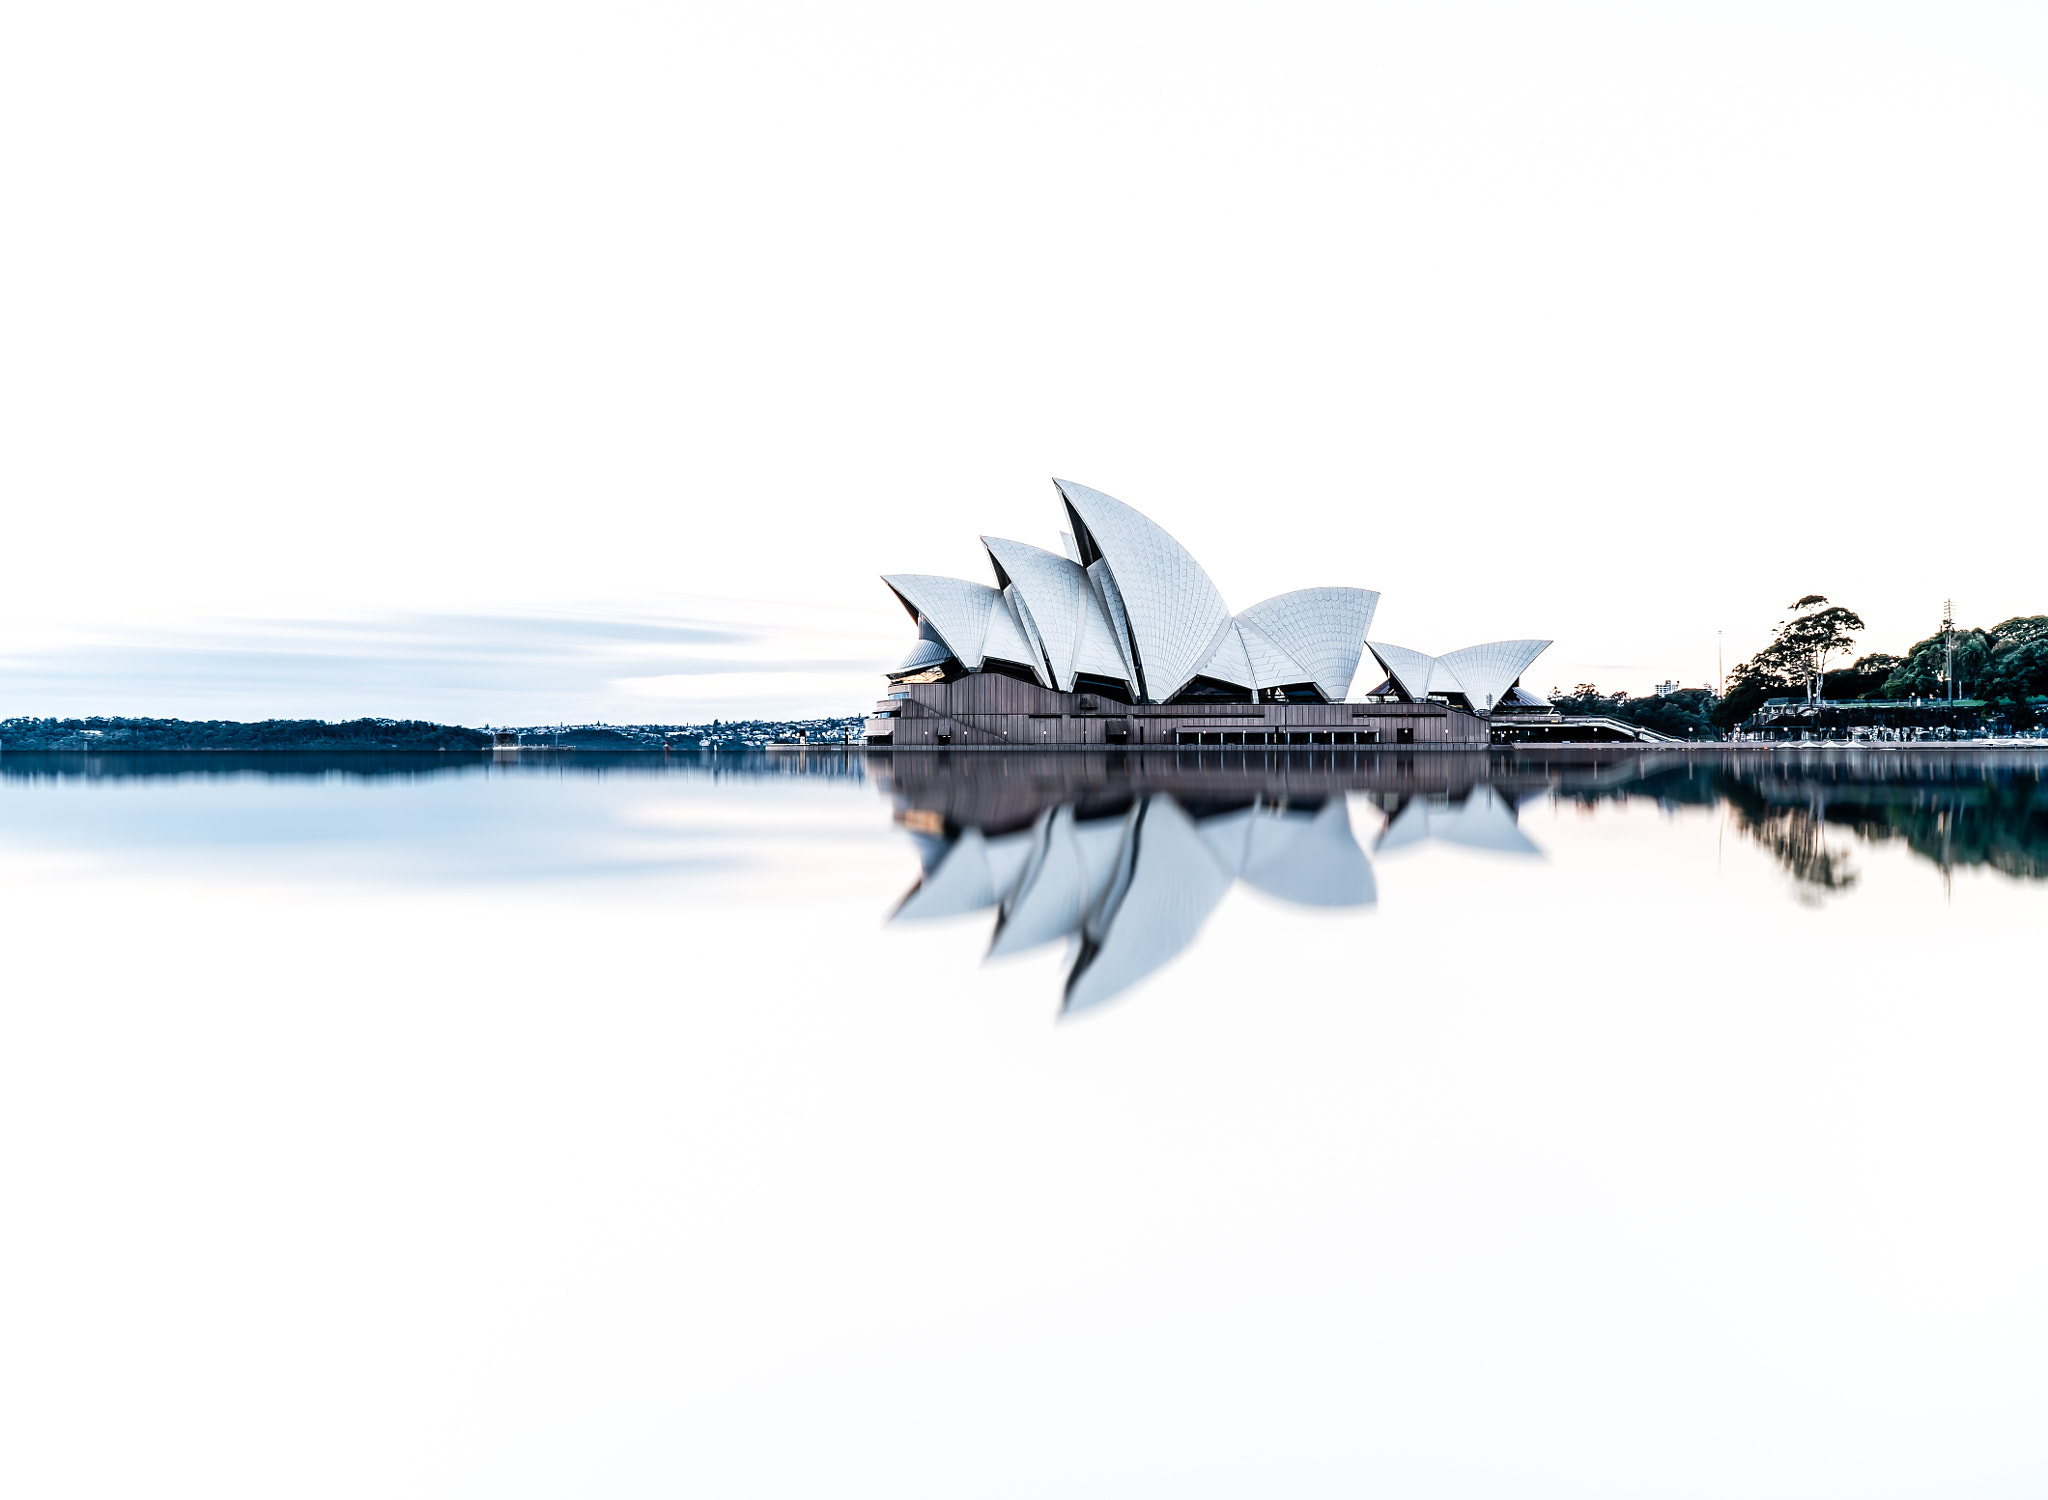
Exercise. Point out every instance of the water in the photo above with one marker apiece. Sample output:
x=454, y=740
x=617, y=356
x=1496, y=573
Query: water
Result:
x=1571, y=1124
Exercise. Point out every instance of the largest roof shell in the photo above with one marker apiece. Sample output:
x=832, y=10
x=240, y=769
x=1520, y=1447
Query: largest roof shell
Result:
x=1175, y=616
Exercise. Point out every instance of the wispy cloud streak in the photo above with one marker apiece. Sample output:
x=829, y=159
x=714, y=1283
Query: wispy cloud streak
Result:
x=723, y=659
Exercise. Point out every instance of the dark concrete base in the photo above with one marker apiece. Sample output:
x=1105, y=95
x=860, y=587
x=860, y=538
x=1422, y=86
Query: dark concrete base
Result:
x=991, y=711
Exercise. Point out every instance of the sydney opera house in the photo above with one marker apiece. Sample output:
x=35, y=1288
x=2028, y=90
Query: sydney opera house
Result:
x=1124, y=640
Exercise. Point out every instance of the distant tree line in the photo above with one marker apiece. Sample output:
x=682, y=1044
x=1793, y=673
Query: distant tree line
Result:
x=719, y=734
x=138, y=735
x=1682, y=714
x=2006, y=665
x=131, y=735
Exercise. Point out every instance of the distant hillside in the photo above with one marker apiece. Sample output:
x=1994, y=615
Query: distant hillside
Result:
x=719, y=734
x=130, y=735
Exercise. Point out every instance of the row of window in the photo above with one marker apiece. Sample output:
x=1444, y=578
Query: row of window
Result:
x=1289, y=737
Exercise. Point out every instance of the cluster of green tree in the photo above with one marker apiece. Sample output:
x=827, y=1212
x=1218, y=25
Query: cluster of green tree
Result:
x=131, y=735
x=1684, y=714
x=1795, y=658
x=2007, y=665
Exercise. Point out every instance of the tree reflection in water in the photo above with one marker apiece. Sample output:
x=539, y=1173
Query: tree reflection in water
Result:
x=1797, y=837
x=1956, y=809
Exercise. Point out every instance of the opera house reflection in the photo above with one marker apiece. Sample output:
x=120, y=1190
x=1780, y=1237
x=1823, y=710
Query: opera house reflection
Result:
x=1124, y=857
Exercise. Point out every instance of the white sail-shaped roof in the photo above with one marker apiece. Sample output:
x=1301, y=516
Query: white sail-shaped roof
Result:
x=1488, y=671
x=1312, y=635
x=1484, y=674
x=1006, y=642
x=1053, y=595
x=957, y=609
x=924, y=654
x=1323, y=629
x=1410, y=670
x=1271, y=665
x=1097, y=651
x=1129, y=602
x=1020, y=616
x=1230, y=663
x=1173, y=615
x=1246, y=657
x=1110, y=605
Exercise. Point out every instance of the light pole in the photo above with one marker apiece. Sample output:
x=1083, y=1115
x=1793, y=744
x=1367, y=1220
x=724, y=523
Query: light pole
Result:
x=1948, y=641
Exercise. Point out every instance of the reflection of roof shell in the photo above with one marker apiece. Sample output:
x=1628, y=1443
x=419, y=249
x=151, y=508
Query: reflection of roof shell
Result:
x=1482, y=819
x=1132, y=889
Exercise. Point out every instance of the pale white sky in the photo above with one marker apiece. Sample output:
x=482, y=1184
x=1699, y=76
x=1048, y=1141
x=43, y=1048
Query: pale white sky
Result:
x=352, y=357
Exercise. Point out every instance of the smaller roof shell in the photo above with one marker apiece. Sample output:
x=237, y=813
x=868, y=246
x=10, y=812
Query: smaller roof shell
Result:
x=1323, y=629
x=1411, y=670
x=957, y=609
x=1488, y=671
x=1484, y=673
x=1053, y=593
x=922, y=655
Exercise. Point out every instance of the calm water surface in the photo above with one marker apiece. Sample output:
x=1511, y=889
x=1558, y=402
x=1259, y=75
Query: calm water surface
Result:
x=1431, y=1125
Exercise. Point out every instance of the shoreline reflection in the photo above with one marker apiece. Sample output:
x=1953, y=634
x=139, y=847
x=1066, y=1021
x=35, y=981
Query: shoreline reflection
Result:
x=1954, y=810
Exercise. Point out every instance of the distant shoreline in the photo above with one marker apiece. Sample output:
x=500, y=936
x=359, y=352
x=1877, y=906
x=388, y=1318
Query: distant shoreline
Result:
x=135, y=735
x=1221, y=754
